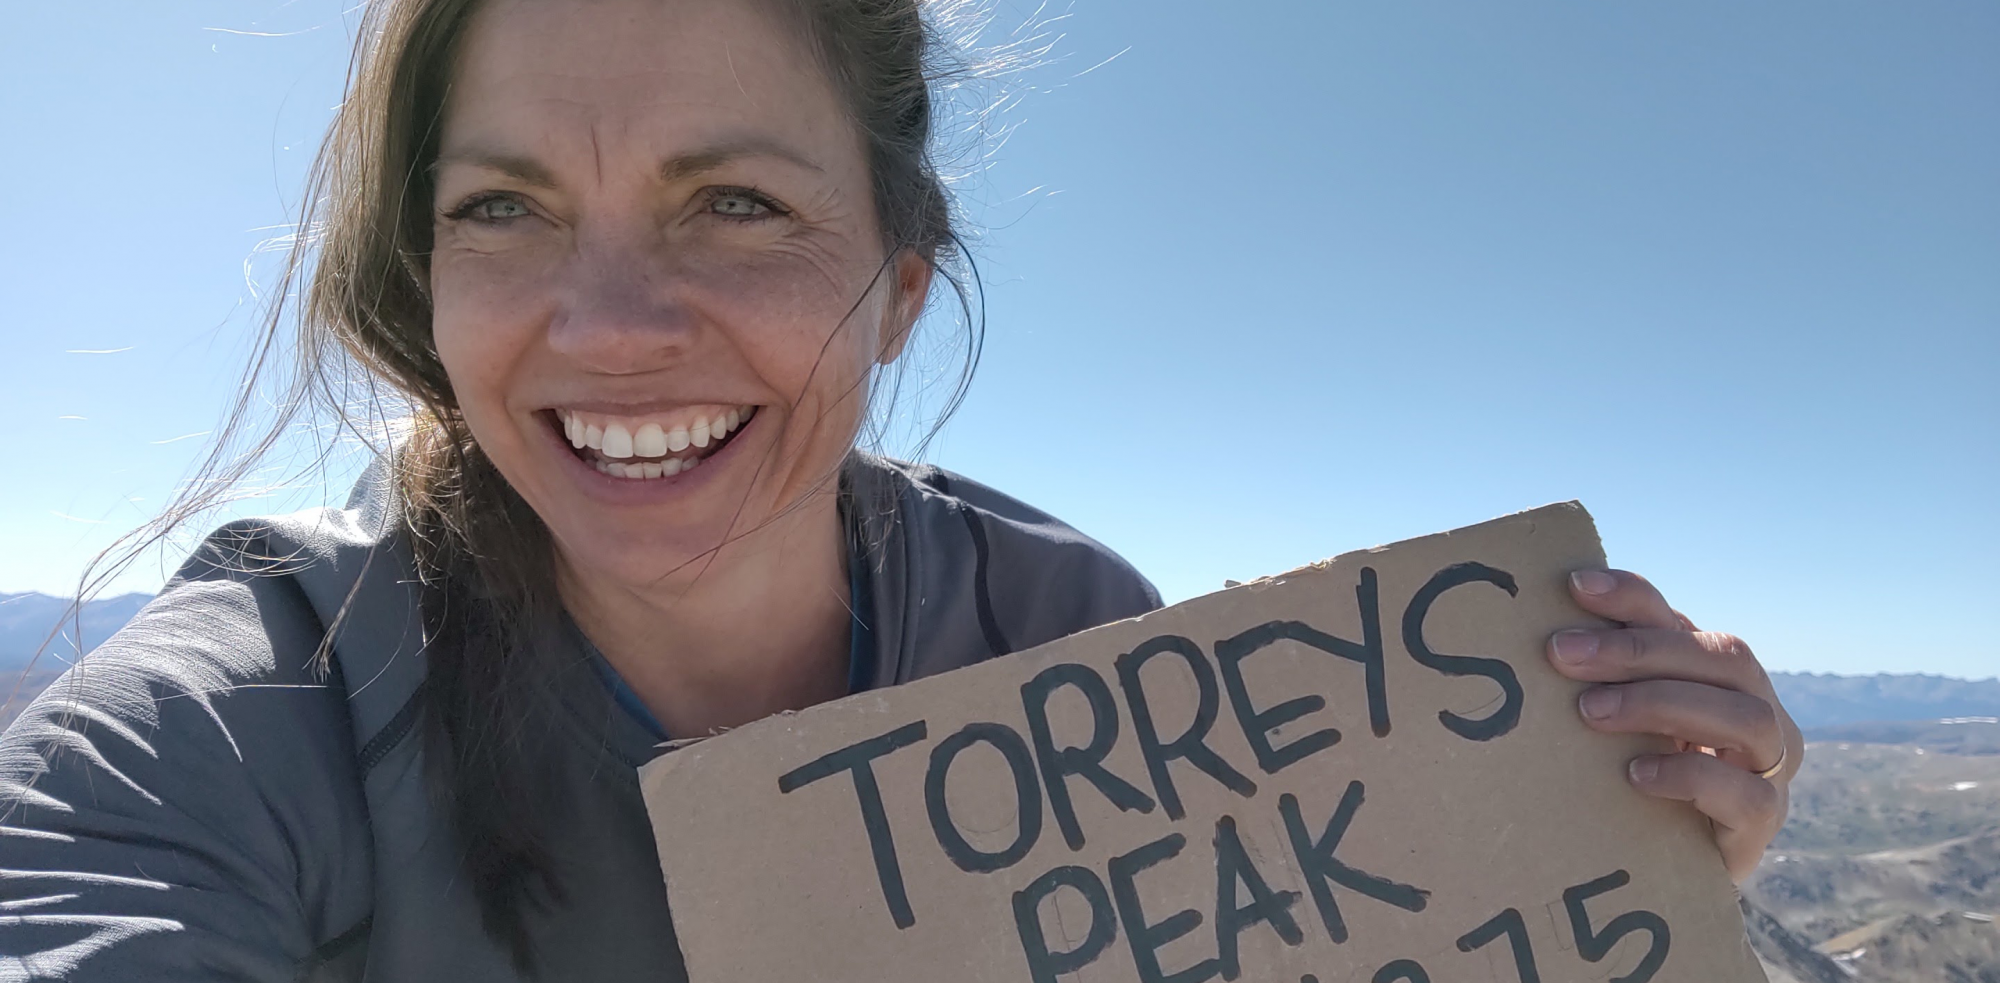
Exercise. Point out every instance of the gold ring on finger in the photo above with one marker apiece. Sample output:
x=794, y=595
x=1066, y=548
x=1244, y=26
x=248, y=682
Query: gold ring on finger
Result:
x=1772, y=772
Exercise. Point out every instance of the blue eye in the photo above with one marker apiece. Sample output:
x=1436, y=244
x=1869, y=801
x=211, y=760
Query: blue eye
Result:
x=736, y=204
x=490, y=209
x=499, y=210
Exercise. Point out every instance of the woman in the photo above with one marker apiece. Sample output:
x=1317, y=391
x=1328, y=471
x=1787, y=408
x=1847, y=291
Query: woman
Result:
x=637, y=264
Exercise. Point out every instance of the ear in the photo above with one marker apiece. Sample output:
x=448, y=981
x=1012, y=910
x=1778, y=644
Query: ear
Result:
x=913, y=287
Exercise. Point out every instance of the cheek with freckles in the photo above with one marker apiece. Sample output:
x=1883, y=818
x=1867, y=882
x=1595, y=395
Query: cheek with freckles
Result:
x=485, y=325
x=809, y=327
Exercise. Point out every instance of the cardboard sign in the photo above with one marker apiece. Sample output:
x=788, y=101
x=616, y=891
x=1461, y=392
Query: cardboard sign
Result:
x=1363, y=771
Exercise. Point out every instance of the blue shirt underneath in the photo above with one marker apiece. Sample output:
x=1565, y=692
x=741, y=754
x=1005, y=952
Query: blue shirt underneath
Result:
x=860, y=655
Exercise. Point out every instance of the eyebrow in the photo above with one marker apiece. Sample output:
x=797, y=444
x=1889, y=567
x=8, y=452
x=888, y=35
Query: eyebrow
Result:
x=677, y=168
x=524, y=169
x=701, y=161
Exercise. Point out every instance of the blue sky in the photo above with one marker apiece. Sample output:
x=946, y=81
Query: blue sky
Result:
x=1260, y=290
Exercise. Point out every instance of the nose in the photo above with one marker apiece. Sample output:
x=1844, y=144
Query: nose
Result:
x=621, y=309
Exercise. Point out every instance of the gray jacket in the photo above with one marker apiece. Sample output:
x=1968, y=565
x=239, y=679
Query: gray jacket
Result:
x=194, y=801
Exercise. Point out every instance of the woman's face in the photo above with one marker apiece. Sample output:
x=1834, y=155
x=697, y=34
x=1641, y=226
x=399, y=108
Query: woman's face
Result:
x=659, y=284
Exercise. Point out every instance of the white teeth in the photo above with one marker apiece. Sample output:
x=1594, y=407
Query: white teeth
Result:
x=617, y=441
x=647, y=470
x=620, y=439
x=650, y=441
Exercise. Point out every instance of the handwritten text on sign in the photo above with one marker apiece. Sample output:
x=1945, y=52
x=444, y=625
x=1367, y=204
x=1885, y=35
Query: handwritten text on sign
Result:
x=1184, y=798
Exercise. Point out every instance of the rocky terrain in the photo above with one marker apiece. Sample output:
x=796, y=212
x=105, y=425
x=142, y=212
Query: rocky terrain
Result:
x=1889, y=870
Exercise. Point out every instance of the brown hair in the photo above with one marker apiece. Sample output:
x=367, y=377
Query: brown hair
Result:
x=364, y=320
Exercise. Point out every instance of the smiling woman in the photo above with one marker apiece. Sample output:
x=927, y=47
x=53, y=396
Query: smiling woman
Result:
x=659, y=281
x=638, y=267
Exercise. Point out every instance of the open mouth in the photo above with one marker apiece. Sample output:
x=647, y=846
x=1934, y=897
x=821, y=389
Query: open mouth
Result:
x=656, y=445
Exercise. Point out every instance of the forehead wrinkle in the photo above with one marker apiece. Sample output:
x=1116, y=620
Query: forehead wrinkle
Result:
x=679, y=167
x=596, y=155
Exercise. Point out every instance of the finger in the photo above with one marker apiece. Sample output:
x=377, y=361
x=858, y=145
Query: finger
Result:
x=1622, y=596
x=1686, y=623
x=1743, y=728
x=1745, y=810
x=1616, y=655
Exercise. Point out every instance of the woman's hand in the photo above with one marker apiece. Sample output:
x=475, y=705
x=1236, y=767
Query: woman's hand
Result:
x=1659, y=675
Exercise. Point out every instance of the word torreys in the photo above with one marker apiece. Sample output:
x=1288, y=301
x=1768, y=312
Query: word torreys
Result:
x=1359, y=772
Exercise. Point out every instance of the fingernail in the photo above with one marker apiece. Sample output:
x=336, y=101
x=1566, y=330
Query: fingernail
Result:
x=1600, y=703
x=1593, y=582
x=1644, y=770
x=1575, y=647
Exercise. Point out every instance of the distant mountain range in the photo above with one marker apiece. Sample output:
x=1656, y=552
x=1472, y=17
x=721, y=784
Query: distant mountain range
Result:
x=1815, y=701
x=26, y=621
